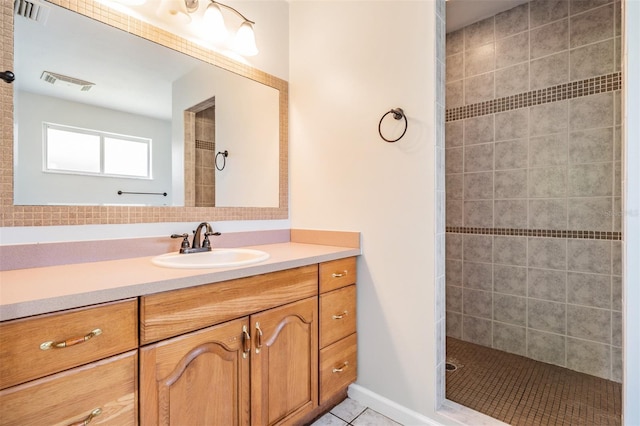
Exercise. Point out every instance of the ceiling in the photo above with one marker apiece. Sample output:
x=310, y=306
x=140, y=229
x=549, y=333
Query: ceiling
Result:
x=461, y=13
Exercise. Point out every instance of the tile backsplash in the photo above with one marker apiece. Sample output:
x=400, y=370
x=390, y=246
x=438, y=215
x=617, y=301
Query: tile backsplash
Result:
x=533, y=186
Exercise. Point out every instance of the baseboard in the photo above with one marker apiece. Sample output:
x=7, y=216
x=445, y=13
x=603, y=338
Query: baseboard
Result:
x=386, y=407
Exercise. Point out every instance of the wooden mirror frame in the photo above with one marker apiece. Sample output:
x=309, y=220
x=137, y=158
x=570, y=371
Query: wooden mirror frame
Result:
x=12, y=215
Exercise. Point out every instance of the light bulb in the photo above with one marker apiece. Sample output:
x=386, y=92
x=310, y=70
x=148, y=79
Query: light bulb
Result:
x=214, y=26
x=174, y=11
x=245, y=42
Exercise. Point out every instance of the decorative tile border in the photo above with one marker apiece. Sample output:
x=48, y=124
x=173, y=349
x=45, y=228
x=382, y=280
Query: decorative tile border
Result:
x=207, y=145
x=560, y=92
x=549, y=233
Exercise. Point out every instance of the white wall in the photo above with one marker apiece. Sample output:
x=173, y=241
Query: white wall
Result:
x=350, y=63
x=631, y=380
x=35, y=187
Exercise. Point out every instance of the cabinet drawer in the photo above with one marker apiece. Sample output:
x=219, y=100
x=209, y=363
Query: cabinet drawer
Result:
x=337, y=315
x=338, y=367
x=175, y=312
x=337, y=273
x=71, y=396
x=21, y=356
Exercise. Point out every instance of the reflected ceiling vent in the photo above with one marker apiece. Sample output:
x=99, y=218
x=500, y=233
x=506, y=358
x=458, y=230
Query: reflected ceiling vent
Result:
x=32, y=10
x=65, y=80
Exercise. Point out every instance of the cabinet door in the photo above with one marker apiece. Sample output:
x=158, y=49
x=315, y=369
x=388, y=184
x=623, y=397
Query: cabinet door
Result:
x=201, y=378
x=284, y=363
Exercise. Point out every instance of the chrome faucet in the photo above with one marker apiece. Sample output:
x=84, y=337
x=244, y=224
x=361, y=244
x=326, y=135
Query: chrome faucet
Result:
x=197, y=245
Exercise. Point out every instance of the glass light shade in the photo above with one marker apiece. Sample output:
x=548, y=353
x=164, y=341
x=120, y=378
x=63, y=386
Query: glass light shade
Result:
x=174, y=11
x=245, y=42
x=214, y=26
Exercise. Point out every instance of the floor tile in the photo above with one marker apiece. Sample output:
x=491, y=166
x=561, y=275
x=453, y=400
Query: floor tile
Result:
x=372, y=418
x=348, y=410
x=329, y=420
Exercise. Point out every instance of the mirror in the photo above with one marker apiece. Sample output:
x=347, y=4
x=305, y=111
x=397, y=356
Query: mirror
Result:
x=191, y=110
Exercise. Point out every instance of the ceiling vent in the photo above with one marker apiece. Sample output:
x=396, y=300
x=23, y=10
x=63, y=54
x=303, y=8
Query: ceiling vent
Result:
x=64, y=80
x=32, y=10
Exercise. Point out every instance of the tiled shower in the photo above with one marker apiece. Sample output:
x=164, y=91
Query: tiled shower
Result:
x=533, y=187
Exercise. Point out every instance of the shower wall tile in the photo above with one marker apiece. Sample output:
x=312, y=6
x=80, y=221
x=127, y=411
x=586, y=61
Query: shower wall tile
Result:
x=547, y=316
x=510, y=338
x=453, y=246
x=592, y=26
x=477, y=248
x=479, y=60
x=477, y=330
x=590, y=213
x=454, y=134
x=510, y=280
x=588, y=357
x=478, y=214
x=589, y=256
x=510, y=250
x=548, y=182
x=547, y=253
x=479, y=33
x=546, y=347
x=589, y=290
x=454, y=158
x=592, y=60
x=478, y=130
x=511, y=184
x=549, y=39
x=512, y=21
x=550, y=70
x=477, y=303
x=478, y=158
x=512, y=80
x=589, y=323
x=478, y=276
x=478, y=186
x=590, y=146
x=590, y=180
x=547, y=284
x=591, y=112
x=455, y=67
x=510, y=214
x=548, y=213
x=511, y=154
x=511, y=124
x=510, y=309
x=548, y=150
x=554, y=165
x=545, y=11
x=549, y=118
x=512, y=50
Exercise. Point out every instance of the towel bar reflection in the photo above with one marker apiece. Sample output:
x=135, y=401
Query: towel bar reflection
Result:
x=398, y=114
x=143, y=193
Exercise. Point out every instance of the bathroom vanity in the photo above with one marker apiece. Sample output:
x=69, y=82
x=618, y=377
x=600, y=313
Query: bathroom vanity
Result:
x=273, y=343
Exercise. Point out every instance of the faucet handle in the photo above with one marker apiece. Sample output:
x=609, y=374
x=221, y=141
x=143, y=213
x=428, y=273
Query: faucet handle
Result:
x=206, y=243
x=185, y=241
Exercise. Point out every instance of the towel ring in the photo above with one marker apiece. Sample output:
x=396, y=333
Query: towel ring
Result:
x=398, y=113
x=224, y=155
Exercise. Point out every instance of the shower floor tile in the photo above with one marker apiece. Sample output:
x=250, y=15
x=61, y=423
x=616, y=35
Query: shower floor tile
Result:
x=522, y=391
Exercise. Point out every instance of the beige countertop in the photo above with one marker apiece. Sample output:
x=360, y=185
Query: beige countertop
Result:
x=26, y=292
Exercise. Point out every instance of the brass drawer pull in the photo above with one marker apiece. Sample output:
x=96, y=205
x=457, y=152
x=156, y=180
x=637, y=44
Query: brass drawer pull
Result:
x=342, y=315
x=258, y=338
x=340, y=274
x=70, y=342
x=87, y=420
x=341, y=368
x=246, y=342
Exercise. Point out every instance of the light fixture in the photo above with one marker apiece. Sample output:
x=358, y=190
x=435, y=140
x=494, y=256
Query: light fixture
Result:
x=175, y=11
x=213, y=23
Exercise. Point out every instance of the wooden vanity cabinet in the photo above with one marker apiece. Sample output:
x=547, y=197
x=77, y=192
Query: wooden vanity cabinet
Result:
x=338, y=339
x=259, y=369
x=58, y=369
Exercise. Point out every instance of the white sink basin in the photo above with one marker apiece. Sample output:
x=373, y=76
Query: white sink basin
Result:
x=216, y=258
